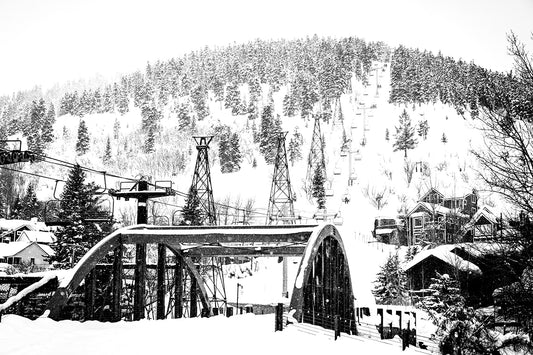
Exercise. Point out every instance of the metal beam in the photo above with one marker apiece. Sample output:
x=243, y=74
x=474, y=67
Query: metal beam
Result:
x=244, y=251
x=161, y=263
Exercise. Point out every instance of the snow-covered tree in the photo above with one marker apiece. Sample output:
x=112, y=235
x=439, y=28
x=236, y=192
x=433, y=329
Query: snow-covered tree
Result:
x=116, y=129
x=444, y=139
x=318, y=190
x=107, y=152
x=77, y=204
x=192, y=213
x=423, y=128
x=295, y=147
x=390, y=286
x=405, y=134
x=82, y=144
x=30, y=206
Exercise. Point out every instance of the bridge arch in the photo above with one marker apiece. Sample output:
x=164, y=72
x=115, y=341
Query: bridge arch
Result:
x=89, y=261
x=323, y=292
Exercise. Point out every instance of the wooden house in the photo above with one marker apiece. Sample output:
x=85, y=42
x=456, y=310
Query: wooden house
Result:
x=16, y=253
x=442, y=222
x=482, y=226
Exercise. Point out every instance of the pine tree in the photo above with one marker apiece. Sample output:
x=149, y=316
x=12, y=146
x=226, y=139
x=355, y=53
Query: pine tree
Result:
x=223, y=152
x=444, y=139
x=387, y=134
x=236, y=156
x=184, y=119
x=149, y=143
x=444, y=292
x=16, y=208
x=77, y=204
x=390, y=286
x=404, y=134
x=116, y=129
x=30, y=205
x=121, y=99
x=267, y=141
x=295, y=147
x=107, y=153
x=318, y=189
x=35, y=126
x=198, y=99
x=82, y=144
x=191, y=212
x=47, y=135
x=423, y=129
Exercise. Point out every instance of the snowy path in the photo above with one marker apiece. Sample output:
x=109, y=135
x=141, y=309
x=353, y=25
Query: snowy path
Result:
x=218, y=335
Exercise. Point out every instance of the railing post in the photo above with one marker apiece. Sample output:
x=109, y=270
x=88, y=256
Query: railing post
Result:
x=279, y=317
x=336, y=326
x=161, y=286
x=117, y=282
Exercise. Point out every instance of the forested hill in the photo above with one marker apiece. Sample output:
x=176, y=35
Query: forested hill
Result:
x=315, y=68
x=422, y=77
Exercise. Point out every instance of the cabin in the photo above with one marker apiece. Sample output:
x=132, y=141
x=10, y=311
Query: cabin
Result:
x=12, y=229
x=447, y=259
x=425, y=218
x=389, y=230
x=466, y=204
x=483, y=226
x=17, y=253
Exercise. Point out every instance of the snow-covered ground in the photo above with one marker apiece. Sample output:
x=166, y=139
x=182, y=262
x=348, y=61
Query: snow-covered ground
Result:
x=252, y=334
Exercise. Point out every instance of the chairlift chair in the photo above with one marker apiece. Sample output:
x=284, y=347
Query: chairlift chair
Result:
x=338, y=220
x=337, y=171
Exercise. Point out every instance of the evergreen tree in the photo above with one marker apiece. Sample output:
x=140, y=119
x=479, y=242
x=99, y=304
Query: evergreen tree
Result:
x=192, y=212
x=184, y=118
x=236, y=156
x=116, y=129
x=35, y=126
x=121, y=99
x=107, y=153
x=252, y=110
x=295, y=147
x=404, y=134
x=318, y=189
x=423, y=129
x=48, y=125
x=390, y=286
x=82, y=144
x=223, y=152
x=30, y=205
x=444, y=139
x=149, y=143
x=267, y=135
x=198, y=99
x=387, y=134
x=16, y=208
x=77, y=204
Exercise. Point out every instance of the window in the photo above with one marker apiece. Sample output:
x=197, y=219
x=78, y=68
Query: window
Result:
x=32, y=261
x=418, y=222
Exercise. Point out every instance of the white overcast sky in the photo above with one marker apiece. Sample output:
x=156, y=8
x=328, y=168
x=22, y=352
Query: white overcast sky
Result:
x=47, y=41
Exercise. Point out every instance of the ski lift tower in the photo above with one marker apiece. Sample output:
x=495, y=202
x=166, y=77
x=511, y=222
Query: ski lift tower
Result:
x=280, y=204
x=211, y=268
x=316, y=155
x=140, y=191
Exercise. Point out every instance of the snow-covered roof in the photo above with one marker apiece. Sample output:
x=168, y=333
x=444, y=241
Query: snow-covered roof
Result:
x=446, y=254
x=37, y=236
x=11, y=224
x=482, y=212
x=430, y=208
x=10, y=249
x=385, y=230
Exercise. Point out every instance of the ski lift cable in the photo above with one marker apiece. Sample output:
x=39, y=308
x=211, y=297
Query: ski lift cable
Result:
x=32, y=174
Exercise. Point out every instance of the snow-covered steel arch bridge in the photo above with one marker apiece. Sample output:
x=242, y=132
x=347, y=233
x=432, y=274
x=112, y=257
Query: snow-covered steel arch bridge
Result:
x=322, y=290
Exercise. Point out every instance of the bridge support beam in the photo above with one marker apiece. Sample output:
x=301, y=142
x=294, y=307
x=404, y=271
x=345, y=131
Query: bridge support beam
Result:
x=193, y=306
x=178, y=288
x=161, y=286
x=90, y=284
x=117, y=282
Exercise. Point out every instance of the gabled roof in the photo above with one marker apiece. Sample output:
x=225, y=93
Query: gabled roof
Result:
x=12, y=249
x=430, y=208
x=432, y=190
x=15, y=224
x=444, y=253
x=481, y=217
x=38, y=236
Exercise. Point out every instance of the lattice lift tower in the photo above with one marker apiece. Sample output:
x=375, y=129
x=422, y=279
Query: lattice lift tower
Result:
x=280, y=204
x=210, y=268
x=316, y=155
